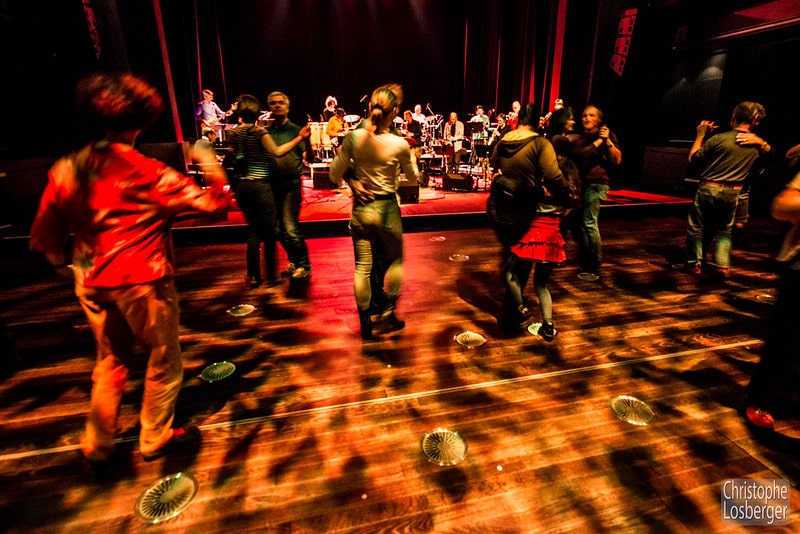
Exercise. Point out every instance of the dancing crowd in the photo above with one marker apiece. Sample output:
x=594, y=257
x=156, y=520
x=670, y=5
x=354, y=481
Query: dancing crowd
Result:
x=117, y=204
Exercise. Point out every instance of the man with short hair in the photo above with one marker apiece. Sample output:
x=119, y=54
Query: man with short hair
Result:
x=597, y=150
x=418, y=115
x=724, y=161
x=454, y=138
x=287, y=186
x=207, y=111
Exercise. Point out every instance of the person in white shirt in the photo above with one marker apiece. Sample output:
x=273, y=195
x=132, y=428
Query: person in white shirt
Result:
x=371, y=159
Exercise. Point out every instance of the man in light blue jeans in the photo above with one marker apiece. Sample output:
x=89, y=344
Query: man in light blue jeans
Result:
x=598, y=152
x=593, y=195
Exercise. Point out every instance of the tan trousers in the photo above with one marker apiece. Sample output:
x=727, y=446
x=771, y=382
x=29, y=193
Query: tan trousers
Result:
x=119, y=318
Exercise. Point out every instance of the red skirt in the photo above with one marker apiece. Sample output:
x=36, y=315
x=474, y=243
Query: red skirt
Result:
x=542, y=242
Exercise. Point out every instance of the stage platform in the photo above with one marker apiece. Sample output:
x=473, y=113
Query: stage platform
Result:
x=325, y=211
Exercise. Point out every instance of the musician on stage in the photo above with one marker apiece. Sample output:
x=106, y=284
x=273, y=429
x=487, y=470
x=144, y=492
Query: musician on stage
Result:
x=480, y=116
x=412, y=131
x=454, y=136
x=207, y=112
x=502, y=129
x=330, y=108
x=336, y=126
x=418, y=115
x=545, y=121
x=512, y=117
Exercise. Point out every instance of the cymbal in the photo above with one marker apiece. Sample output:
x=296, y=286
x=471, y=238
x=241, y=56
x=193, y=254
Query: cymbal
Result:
x=351, y=118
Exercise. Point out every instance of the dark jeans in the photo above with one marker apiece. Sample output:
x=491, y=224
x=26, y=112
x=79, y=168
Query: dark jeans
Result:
x=288, y=197
x=258, y=205
x=777, y=375
x=712, y=213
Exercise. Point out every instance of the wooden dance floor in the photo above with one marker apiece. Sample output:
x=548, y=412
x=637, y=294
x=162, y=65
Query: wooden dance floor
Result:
x=318, y=432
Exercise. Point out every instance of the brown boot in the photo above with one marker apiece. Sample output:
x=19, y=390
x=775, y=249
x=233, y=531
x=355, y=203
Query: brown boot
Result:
x=390, y=322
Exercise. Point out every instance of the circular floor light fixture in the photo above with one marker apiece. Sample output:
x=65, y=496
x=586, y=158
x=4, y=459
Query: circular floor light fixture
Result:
x=217, y=371
x=444, y=447
x=241, y=310
x=167, y=498
x=632, y=410
x=470, y=339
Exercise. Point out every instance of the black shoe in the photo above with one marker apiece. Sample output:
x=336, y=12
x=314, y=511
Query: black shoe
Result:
x=365, y=321
x=390, y=322
x=274, y=282
x=180, y=438
x=548, y=331
x=254, y=282
x=288, y=270
x=379, y=303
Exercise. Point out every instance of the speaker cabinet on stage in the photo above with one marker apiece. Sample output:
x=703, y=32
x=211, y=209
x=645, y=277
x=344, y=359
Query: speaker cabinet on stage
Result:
x=321, y=176
x=322, y=180
x=456, y=182
x=409, y=192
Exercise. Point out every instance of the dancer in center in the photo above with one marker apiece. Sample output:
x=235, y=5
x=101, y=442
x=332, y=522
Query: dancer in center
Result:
x=370, y=160
x=529, y=196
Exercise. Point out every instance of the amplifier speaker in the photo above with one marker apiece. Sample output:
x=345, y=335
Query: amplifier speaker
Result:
x=409, y=192
x=322, y=180
x=456, y=182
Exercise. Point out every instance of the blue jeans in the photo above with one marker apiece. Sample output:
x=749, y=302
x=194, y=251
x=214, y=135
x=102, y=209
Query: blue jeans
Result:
x=712, y=214
x=258, y=205
x=288, y=197
x=376, y=221
x=593, y=195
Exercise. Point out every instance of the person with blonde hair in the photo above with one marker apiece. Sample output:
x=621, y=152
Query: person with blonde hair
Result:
x=370, y=161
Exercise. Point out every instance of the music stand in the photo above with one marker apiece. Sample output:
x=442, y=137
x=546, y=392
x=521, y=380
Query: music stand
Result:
x=471, y=128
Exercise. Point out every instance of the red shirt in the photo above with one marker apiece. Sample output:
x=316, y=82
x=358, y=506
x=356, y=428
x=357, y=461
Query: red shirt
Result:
x=119, y=204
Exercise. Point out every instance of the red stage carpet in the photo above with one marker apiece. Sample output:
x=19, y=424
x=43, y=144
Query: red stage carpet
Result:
x=321, y=205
